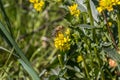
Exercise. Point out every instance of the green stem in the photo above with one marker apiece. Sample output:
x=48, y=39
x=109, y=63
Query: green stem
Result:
x=90, y=12
x=94, y=34
x=85, y=66
x=99, y=63
x=62, y=65
x=60, y=60
x=118, y=21
x=110, y=32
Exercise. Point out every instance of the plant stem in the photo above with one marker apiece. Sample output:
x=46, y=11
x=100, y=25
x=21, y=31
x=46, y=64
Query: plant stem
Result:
x=94, y=35
x=60, y=60
x=110, y=32
x=90, y=12
x=118, y=21
x=85, y=65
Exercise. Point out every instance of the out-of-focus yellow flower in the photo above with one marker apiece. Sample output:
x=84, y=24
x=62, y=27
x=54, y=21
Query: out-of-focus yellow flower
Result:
x=107, y=4
x=109, y=24
x=67, y=32
x=100, y=9
x=79, y=58
x=74, y=11
x=33, y=1
x=62, y=42
x=38, y=6
x=116, y=2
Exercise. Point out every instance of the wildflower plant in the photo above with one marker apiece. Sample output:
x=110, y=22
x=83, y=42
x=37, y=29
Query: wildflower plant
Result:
x=86, y=48
x=62, y=41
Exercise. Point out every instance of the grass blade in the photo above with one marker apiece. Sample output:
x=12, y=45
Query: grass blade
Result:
x=6, y=18
x=20, y=54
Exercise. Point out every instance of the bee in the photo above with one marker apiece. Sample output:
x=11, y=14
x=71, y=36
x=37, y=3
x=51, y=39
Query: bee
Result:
x=57, y=30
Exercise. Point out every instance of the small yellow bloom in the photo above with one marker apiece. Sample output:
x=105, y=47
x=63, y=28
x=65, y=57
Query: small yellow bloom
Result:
x=67, y=32
x=74, y=11
x=109, y=24
x=39, y=6
x=99, y=9
x=33, y=1
x=79, y=58
x=107, y=5
x=116, y=2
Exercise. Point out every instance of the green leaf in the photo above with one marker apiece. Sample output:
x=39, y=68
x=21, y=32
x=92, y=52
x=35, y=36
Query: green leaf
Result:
x=20, y=54
x=86, y=26
x=5, y=38
x=62, y=72
x=4, y=50
x=112, y=53
x=94, y=11
x=81, y=5
x=28, y=69
x=6, y=18
x=53, y=77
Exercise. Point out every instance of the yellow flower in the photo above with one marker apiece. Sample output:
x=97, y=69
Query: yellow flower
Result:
x=107, y=4
x=74, y=11
x=62, y=42
x=116, y=2
x=79, y=58
x=67, y=32
x=38, y=6
x=33, y=1
x=109, y=24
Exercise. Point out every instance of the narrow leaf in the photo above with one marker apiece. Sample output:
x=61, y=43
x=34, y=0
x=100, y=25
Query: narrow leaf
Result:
x=19, y=52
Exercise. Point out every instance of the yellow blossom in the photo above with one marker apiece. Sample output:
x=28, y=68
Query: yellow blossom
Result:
x=67, y=32
x=79, y=58
x=116, y=2
x=74, y=11
x=33, y=1
x=38, y=6
x=107, y=5
x=109, y=24
x=62, y=42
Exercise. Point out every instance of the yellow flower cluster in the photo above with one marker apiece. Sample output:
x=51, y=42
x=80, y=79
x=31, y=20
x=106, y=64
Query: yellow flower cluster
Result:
x=38, y=5
x=74, y=11
x=107, y=4
x=62, y=41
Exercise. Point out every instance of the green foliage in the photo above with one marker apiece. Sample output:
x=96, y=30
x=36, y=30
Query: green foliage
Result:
x=27, y=49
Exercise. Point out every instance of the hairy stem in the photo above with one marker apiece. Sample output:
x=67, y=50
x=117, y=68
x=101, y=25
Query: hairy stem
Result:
x=110, y=32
